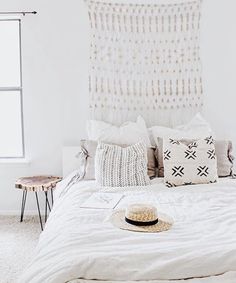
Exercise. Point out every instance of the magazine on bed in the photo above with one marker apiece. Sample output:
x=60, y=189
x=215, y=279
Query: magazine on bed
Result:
x=102, y=200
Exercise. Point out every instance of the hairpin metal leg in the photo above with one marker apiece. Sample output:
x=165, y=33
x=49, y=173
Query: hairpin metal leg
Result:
x=37, y=200
x=23, y=205
x=52, y=196
x=47, y=201
x=47, y=205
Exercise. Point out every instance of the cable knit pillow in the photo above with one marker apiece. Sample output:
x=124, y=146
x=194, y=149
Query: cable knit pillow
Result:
x=121, y=167
x=188, y=164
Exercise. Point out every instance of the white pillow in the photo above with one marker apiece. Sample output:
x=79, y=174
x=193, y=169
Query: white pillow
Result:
x=197, y=128
x=128, y=133
x=189, y=164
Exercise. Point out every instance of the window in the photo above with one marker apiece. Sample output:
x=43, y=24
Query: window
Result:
x=11, y=118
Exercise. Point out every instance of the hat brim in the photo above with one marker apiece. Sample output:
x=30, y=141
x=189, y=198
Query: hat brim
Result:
x=164, y=223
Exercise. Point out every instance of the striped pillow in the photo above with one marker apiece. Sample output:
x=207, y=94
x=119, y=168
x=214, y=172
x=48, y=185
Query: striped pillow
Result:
x=121, y=167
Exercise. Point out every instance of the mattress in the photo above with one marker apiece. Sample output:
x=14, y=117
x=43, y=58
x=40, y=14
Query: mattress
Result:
x=81, y=245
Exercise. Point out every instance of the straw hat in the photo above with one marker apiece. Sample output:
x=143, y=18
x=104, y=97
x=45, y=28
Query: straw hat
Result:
x=141, y=218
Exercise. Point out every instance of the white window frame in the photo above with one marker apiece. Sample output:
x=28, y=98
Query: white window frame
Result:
x=20, y=89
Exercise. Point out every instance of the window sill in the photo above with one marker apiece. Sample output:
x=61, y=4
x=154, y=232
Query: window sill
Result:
x=16, y=161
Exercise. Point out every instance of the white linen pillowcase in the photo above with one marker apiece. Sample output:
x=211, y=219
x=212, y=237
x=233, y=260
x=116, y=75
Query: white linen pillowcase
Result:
x=116, y=166
x=128, y=133
x=197, y=128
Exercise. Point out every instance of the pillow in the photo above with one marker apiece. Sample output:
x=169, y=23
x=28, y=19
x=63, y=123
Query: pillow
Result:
x=116, y=166
x=197, y=128
x=88, y=150
x=224, y=156
x=188, y=164
x=87, y=158
x=128, y=133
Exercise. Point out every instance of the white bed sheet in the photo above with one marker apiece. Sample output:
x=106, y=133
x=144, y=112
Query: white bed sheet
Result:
x=82, y=244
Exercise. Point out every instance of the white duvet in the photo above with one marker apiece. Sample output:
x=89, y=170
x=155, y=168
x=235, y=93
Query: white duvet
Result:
x=80, y=244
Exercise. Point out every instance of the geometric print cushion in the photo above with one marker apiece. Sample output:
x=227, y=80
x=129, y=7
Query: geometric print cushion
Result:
x=117, y=166
x=189, y=163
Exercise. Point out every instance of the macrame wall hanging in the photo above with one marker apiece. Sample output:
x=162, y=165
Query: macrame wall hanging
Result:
x=144, y=60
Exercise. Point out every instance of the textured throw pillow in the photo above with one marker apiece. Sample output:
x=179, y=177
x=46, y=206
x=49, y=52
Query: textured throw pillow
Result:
x=128, y=133
x=224, y=156
x=188, y=164
x=88, y=151
x=116, y=166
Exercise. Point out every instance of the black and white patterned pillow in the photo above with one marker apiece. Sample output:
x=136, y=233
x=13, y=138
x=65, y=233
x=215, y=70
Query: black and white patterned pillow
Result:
x=188, y=164
x=117, y=166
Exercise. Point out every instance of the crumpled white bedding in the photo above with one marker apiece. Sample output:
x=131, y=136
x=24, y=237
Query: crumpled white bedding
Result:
x=79, y=244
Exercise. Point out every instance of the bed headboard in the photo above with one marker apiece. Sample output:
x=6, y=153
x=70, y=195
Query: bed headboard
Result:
x=69, y=160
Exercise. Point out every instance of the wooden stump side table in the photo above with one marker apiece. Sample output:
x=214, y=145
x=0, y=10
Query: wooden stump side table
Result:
x=37, y=184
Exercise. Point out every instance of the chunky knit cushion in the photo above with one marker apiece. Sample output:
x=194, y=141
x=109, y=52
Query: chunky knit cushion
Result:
x=120, y=167
x=188, y=164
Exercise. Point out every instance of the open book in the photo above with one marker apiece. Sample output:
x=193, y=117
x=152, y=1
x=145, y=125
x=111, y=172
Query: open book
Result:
x=102, y=200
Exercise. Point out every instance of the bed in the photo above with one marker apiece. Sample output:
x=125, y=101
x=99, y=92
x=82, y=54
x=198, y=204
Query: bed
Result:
x=154, y=71
x=81, y=245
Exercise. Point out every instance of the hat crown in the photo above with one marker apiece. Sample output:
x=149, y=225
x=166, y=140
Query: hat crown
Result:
x=141, y=212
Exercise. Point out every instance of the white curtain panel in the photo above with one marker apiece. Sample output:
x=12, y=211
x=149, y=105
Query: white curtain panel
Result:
x=144, y=60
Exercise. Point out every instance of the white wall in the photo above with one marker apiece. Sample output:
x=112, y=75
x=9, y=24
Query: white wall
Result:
x=218, y=47
x=55, y=51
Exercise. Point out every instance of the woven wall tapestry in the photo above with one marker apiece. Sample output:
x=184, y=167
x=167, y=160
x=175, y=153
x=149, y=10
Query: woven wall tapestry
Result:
x=144, y=59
